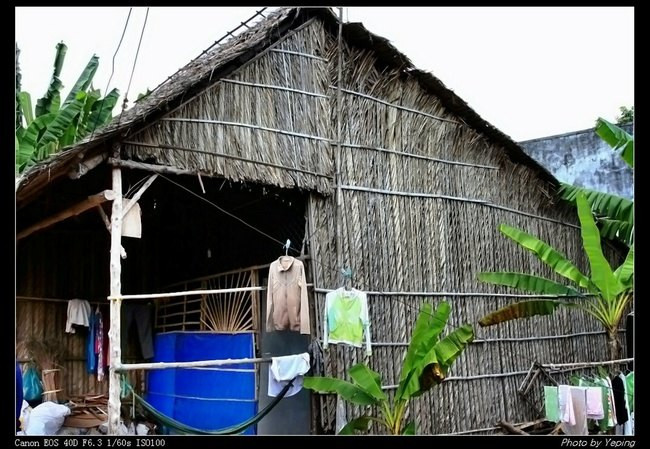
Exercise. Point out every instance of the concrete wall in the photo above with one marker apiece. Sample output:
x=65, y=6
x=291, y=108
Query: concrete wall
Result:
x=582, y=158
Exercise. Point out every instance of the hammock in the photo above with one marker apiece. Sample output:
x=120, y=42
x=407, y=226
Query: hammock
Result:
x=233, y=430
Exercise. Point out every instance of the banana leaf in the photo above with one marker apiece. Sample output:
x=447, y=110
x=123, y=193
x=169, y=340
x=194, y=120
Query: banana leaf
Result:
x=84, y=80
x=63, y=119
x=427, y=329
x=601, y=273
x=602, y=204
x=52, y=99
x=547, y=254
x=528, y=282
x=409, y=429
x=101, y=112
x=26, y=107
x=368, y=380
x=346, y=390
x=625, y=272
x=360, y=424
x=618, y=139
x=450, y=347
x=616, y=229
x=27, y=144
x=523, y=309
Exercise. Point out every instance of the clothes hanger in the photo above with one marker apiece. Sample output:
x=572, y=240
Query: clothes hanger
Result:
x=286, y=248
x=347, y=279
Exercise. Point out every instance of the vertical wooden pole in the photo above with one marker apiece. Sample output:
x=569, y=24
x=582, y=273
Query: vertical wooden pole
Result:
x=337, y=162
x=114, y=403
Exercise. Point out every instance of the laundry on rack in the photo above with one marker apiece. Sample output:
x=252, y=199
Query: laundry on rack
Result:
x=286, y=304
x=346, y=318
x=78, y=314
x=551, y=403
x=286, y=368
x=142, y=316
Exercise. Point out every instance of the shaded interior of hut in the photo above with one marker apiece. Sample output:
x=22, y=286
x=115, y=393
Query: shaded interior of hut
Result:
x=194, y=234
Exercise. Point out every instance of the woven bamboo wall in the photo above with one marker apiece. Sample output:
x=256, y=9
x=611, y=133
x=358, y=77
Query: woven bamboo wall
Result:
x=57, y=266
x=283, y=90
x=399, y=243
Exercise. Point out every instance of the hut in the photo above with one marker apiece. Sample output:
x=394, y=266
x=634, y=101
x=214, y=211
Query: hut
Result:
x=303, y=128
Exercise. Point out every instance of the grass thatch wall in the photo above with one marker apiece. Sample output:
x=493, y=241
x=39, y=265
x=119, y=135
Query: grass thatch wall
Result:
x=304, y=115
x=397, y=243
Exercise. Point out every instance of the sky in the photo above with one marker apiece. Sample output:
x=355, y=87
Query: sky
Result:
x=531, y=72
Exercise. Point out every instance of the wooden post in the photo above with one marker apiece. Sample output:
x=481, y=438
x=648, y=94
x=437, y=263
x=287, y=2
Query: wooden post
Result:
x=114, y=403
x=337, y=164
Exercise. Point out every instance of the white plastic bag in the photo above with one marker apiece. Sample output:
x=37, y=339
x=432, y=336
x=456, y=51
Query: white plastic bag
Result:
x=46, y=419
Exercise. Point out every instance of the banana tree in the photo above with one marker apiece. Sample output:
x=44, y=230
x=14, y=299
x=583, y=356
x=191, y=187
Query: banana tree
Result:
x=427, y=362
x=604, y=295
x=52, y=125
x=614, y=213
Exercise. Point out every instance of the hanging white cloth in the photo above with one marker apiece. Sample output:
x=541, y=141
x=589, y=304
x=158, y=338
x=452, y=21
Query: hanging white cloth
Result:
x=78, y=313
x=284, y=369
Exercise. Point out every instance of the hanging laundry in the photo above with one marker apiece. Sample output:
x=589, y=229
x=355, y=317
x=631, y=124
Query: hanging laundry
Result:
x=573, y=410
x=91, y=356
x=605, y=421
x=99, y=345
x=594, y=403
x=629, y=386
x=286, y=296
x=618, y=388
x=284, y=369
x=551, y=403
x=142, y=316
x=78, y=314
x=346, y=318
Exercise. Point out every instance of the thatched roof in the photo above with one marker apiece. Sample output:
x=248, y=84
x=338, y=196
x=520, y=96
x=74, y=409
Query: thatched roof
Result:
x=218, y=62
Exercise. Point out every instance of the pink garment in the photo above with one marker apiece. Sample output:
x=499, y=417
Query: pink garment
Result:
x=595, y=403
x=99, y=346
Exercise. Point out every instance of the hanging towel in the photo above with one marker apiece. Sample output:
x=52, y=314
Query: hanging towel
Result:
x=285, y=368
x=551, y=403
x=91, y=355
x=78, y=313
x=567, y=415
x=576, y=408
x=595, y=403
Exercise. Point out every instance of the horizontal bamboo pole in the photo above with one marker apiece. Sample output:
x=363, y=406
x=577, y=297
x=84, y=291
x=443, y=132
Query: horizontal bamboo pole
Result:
x=199, y=363
x=505, y=339
x=235, y=271
x=412, y=194
x=56, y=300
x=244, y=125
x=297, y=53
x=188, y=293
x=274, y=87
x=417, y=156
x=461, y=294
x=404, y=108
x=585, y=364
x=83, y=206
x=454, y=198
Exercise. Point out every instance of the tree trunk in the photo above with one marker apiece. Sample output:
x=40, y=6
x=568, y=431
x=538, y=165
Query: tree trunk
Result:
x=613, y=344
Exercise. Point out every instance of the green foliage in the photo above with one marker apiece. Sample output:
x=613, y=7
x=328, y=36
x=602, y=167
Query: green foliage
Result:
x=52, y=125
x=605, y=293
x=627, y=116
x=426, y=364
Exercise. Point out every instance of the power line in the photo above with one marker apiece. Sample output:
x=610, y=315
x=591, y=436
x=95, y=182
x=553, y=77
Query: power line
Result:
x=135, y=61
x=119, y=44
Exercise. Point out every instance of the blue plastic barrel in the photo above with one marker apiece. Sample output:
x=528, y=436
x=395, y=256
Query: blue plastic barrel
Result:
x=209, y=398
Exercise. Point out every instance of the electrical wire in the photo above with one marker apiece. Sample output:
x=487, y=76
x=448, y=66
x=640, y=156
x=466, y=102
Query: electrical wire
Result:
x=119, y=44
x=135, y=61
